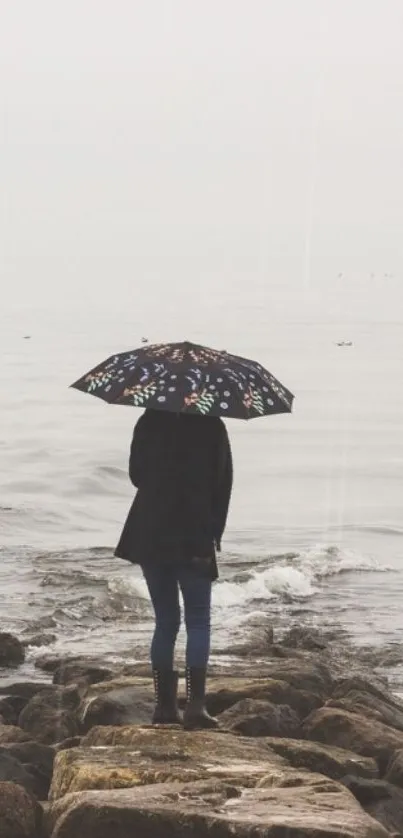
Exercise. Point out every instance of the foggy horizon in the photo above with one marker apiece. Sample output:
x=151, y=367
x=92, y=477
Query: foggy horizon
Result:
x=188, y=148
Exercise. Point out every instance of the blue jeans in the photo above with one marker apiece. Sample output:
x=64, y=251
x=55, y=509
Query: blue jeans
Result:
x=164, y=582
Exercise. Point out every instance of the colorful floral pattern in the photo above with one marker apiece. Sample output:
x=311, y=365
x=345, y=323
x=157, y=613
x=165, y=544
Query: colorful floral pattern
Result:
x=188, y=378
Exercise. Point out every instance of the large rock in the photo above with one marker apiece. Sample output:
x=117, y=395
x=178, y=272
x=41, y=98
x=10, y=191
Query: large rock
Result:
x=39, y=640
x=130, y=699
x=10, y=708
x=121, y=706
x=49, y=661
x=16, y=696
x=394, y=773
x=132, y=756
x=324, y=759
x=354, y=732
x=373, y=686
x=368, y=704
x=380, y=799
x=257, y=643
x=12, y=652
x=8, y=713
x=310, y=808
x=66, y=744
x=10, y=733
x=252, y=717
x=20, y=814
x=82, y=672
x=74, y=668
x=26, y=689
x=13, y=771
x=224, y=692
x=303, y=674
x=50, y=717
x=307, y=637
x=38, y=760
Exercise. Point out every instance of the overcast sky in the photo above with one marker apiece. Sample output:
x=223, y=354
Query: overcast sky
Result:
x=163, y=142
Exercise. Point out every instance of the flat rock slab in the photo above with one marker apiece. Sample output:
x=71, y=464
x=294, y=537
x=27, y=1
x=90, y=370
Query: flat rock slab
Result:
x=123, y=757
x=324, y=759
x=318, y=808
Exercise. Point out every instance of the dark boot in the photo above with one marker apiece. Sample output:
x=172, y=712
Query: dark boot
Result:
x=196, y=716
x=166, y=706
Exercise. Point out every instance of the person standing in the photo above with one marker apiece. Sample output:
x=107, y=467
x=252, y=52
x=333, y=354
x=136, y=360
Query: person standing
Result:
x=181, y=465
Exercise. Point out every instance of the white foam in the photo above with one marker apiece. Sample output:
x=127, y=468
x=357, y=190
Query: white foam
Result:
x=264, y=585
x=297, y=577
x=322, y=560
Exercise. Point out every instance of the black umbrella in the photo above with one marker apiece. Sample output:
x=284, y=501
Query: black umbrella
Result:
x=186, y=378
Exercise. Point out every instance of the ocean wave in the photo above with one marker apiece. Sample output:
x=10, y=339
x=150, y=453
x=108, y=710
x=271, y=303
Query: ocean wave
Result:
x=291, y=576
x=267, y=584
x=323, y=560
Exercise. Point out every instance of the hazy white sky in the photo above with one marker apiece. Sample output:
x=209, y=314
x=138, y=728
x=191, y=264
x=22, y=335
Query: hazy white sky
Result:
x=181, y=143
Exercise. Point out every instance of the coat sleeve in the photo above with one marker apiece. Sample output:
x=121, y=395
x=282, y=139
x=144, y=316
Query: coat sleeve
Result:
x=223, y=486
x=139, y=452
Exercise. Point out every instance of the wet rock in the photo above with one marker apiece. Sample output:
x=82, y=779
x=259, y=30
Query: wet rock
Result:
x=224, y=692
x=308, y=675
x=130, y=700
x=81, y=672
x=12, y=652
x=379, y=799
x=48, y=662
x=9, y=716
x=115, y=757
x=357, y=701
x=142, y=670
x=302, y=637
x=318, y=808
x=11, y=733
x=20, y=814
x=119, y=707
x=324, y=759
x=394, y=773
x=11, y=707
x=121, y=701
x=354, y=732
x=372, y=686
x=37, y=760
x=391, y=654
x=258, y=643
x=50, y=717
x=26, y=689
x=252, y=717
x=39, y=640
x=73, y=667
x=286, y=652
x=13, y=771
x=73, y=742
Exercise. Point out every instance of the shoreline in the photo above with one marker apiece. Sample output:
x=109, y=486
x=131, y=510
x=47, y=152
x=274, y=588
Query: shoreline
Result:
x=310, y=741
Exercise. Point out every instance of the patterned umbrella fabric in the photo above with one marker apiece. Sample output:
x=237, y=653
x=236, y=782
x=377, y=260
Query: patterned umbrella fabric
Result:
x=186, y=378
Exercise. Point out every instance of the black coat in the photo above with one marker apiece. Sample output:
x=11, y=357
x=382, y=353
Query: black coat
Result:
x=181, y=465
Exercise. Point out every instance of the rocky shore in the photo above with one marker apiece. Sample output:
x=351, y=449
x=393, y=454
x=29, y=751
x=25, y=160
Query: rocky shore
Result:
x=310, y=746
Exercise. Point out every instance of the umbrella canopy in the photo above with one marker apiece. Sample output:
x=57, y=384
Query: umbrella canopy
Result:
x=186, y=378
